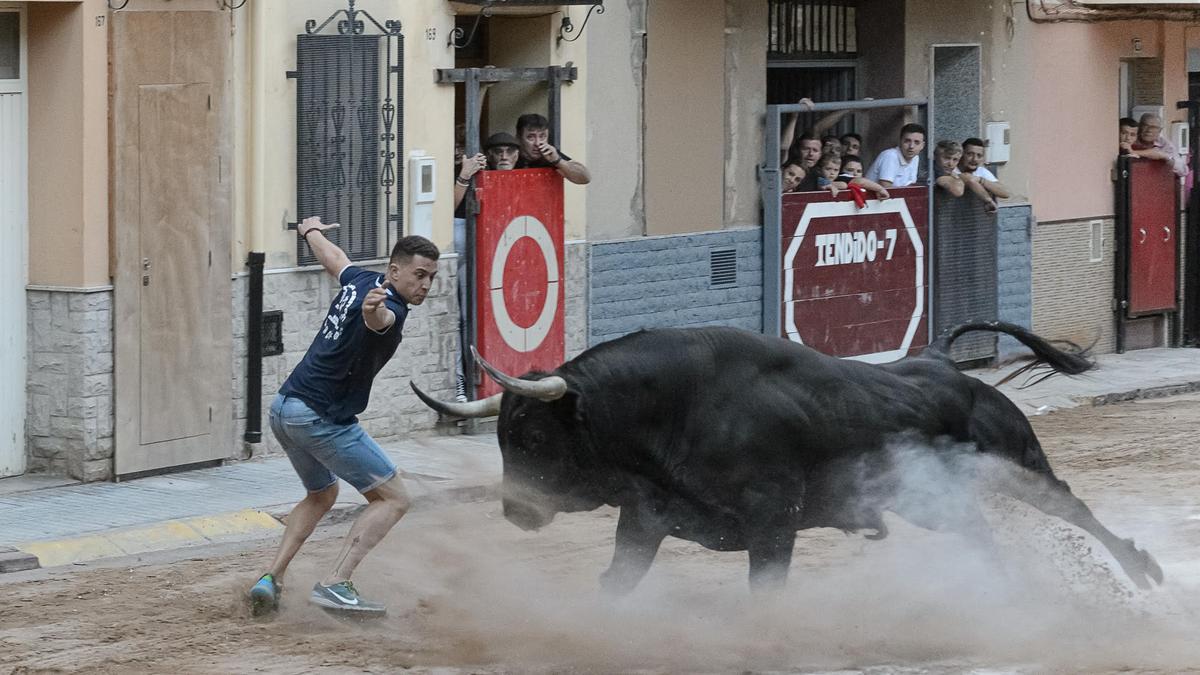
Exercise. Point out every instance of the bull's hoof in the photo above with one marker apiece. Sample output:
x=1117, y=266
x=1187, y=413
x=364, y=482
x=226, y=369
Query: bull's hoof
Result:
x=1141, y=566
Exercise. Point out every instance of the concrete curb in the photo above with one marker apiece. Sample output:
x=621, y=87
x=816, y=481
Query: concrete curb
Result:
x=199, y=530
x=168, y=534
x=1140, y=394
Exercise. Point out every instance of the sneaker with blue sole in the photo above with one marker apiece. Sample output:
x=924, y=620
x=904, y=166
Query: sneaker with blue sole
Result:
x=264, y=596
x=343, y=597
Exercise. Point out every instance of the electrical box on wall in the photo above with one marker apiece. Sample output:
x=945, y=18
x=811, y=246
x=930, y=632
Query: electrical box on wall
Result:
x=1181, y=137
x=422, y=192
x=996, y=134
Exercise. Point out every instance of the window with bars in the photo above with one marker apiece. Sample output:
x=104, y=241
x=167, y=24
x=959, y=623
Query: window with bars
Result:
x=812, y=28
x=348, y=124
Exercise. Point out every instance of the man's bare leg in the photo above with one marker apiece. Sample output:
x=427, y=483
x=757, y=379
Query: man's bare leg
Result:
x=300, y=525
x=387, y=505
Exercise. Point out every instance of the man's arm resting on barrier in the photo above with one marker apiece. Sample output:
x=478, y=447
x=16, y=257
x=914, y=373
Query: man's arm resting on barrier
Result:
x=332, y=258
x=573, y=171
x=952, y=184
x=996, y=188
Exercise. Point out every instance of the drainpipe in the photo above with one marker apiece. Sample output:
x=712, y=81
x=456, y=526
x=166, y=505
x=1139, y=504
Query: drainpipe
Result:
x=254, y=310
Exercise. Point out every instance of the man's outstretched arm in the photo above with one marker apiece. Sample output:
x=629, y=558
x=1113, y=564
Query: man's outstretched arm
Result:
x=332, y=258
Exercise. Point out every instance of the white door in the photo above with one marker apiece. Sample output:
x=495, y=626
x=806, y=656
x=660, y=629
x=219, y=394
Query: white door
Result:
x=13, y=218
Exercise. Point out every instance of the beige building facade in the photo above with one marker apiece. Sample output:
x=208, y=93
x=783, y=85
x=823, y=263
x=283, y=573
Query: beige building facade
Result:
x=161, y=149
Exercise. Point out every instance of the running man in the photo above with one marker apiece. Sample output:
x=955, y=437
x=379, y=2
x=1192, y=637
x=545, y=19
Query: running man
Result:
x=313, y=416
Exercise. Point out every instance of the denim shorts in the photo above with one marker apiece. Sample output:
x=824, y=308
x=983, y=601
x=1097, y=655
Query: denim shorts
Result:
x=321, y=451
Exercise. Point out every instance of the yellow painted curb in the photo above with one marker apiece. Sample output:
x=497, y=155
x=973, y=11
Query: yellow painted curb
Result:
x=162, y=536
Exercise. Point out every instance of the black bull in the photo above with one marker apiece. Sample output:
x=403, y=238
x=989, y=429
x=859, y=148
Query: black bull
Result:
x=736, y=441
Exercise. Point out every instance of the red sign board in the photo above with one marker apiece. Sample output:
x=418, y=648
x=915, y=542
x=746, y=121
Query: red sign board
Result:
x=855, y=279
x=519, y=282
x=1152, y=271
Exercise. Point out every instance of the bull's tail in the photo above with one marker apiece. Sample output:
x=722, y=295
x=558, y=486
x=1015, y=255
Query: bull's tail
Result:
x=1060, y=357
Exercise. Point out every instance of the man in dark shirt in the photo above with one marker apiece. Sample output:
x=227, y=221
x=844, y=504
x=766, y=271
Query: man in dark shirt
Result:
x=314, y=414
x=533, y=132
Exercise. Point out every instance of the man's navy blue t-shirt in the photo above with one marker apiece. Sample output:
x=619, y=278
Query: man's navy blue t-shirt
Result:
x=334, y=377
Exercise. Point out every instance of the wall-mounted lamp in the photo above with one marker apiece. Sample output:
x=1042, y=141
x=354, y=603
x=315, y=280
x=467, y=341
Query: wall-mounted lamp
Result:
x=1137, y=44
x=567, y=27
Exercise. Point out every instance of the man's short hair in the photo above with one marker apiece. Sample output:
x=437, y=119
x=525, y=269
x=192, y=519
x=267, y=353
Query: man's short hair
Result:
x=912, y=128
x=977, y=142
x=829, y=137
x=531, y=121
x=1127, y=122
x=806, y=136
x=851, y=135
x=846, y=159
x=946, y=148
x=413, y=245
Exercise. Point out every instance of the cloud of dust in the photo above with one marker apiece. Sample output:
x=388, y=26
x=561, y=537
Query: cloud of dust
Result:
x=1046, y=597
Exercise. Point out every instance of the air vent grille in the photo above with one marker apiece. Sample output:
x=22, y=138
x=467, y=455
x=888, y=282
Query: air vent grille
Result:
x=722, y=267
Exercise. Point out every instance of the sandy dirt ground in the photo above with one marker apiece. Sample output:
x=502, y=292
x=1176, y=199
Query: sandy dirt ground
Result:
x=469, y=592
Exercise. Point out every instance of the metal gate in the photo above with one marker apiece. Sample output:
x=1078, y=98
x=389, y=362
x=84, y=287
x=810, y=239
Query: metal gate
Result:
x=1147, y=228
x=349, y=88
x=965, y=264
x=848, y=261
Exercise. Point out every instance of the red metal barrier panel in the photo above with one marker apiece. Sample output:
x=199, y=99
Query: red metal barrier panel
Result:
x=855, y=280
x=519, y=285
x=1152, y=271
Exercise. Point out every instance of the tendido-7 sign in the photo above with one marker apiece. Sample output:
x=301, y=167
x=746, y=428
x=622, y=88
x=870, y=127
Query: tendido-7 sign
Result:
x=855, y=279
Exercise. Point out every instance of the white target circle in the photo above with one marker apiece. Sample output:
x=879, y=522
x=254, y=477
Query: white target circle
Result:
x=522, y=338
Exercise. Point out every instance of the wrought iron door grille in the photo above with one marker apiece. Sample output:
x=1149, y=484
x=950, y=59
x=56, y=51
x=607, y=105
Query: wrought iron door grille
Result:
x=348, y=132
x=722, y=267
x=812, y=28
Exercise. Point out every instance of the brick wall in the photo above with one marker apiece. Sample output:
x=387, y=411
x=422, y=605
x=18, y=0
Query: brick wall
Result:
x=1014, y=273
x=1071, y=295
x=69, y=418
x=658, y=282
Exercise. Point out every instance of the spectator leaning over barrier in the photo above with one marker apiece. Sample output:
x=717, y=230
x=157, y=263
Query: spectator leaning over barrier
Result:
x=503, y=151
x=1127, y=133
x=533, y=133
x=792, y=175
x=897, y=167
x=807, y=151
x=851, y=173
x=1150, y=144
x=945, y=167
x=971, y=169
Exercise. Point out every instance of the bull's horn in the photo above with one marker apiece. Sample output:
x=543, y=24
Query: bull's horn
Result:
x=488, y=407
x=549, y=388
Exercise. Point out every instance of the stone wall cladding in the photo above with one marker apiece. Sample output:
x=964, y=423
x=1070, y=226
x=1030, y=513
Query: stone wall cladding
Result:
x=1072, y=296
x=69, y=407
x=426, y=355
x=1014, y=274
x=660, y=282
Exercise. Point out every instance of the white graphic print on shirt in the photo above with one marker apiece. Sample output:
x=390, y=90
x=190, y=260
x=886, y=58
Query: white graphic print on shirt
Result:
x=336, y=321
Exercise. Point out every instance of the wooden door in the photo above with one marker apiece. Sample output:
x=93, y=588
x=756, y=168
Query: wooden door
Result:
x=13, y=229
x=172, y=283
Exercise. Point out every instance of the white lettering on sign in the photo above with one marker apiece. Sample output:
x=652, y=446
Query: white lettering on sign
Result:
x=844, y=248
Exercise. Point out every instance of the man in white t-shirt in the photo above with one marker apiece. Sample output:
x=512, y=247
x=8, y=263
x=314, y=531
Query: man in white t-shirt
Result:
x=897, y=167
x=972, y=169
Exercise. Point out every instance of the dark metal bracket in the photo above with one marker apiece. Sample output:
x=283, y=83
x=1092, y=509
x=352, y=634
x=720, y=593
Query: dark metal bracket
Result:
x=352, y=25
x=567, y=27
x=457, y=34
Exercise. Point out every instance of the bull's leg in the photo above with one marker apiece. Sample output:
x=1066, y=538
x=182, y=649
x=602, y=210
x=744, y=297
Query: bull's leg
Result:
x=639, y=534
x=770, y=557
x=1054, y=498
